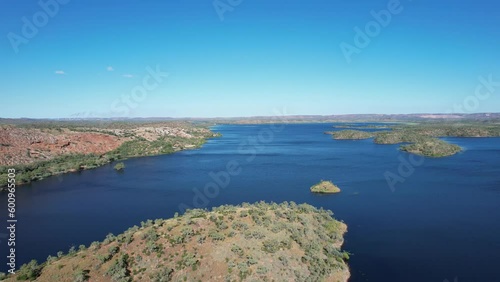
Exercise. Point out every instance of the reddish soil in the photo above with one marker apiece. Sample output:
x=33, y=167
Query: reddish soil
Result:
x=27, y=145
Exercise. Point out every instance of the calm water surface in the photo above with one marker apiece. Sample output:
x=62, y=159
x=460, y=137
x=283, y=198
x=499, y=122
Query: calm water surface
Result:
x=442, y=222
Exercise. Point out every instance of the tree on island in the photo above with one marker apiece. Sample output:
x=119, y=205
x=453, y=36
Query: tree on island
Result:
x=119, y=166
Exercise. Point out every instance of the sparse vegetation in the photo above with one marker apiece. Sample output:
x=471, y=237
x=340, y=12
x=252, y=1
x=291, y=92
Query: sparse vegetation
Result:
x=29, y=271
x=432, y=148
x=119, y=166
x=325, y=187
x=133, y=144
x=278, y=242
x=163, y=274
x=118, y=270
x=81, y=275
x=423, y=138
x=351, y=135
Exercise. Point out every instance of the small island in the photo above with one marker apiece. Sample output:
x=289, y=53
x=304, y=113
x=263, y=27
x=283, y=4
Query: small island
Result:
x=39, y=149
x=325, y=187
x=423, y=138
x=119, y=166
x=434, y=148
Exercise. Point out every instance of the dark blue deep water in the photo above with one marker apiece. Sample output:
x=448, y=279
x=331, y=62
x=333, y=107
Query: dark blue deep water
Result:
x=440, y=221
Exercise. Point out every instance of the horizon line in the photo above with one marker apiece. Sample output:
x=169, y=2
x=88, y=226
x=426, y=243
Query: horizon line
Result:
x=247, y=117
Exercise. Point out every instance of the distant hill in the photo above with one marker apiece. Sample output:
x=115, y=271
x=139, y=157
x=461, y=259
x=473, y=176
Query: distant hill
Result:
x=495, y=117
x=490, y=117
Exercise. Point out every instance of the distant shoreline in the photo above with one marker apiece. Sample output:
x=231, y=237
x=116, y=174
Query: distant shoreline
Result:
x=279, y=118
x=63, y=150
x=61, y=147
x=423, y=139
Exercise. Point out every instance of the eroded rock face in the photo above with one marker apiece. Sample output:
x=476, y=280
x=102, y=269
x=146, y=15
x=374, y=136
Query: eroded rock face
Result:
x=20, y=145
x=27, y=145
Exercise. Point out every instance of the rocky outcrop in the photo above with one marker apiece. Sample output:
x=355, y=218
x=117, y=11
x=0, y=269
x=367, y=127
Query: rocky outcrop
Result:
x=27, y=145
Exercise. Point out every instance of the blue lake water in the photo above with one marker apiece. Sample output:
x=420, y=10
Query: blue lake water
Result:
x=440, y=221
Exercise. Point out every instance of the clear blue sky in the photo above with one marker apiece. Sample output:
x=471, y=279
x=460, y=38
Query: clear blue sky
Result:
x=264, y=55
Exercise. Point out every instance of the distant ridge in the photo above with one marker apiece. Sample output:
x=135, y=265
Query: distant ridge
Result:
x=278, y=118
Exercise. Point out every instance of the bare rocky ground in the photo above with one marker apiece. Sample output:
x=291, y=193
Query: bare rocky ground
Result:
x=24, y=145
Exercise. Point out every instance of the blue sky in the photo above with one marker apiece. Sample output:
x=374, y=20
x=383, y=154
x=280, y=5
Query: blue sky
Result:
x=264, y=56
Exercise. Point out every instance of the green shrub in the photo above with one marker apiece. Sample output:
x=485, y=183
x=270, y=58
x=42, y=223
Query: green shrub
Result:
x=237, y=250
x=109, y=238
x=95, y=245
x=119, y=166
x=163, y=274
x=146, y=223
x=238, y=225
x=150, y=235
x=345, y=255
x=72, y=251
x=103, y=258
x=113, y=250
x=51, y=259
x=270, y=246
x=216, y=236
x=187, y=232
x=262, y=270
x=127, y=239
x=244, y=270
x=188, y=260
x=254, y=234
x=81, y=275
x=30, y=271
x=119, y=269
x=151, y=247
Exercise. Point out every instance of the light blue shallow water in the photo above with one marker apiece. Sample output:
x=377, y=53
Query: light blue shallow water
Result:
x=442, y=222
